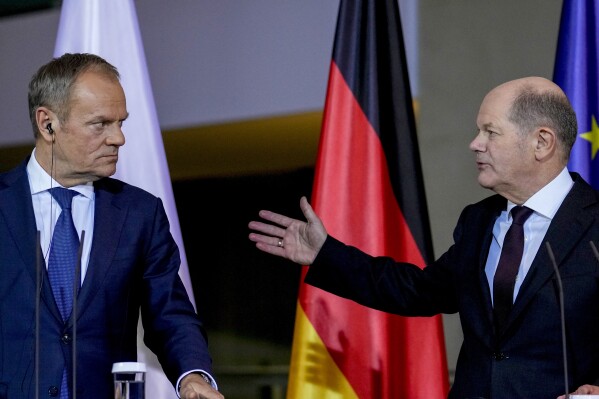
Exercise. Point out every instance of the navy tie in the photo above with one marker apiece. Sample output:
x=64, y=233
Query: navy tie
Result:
x=63, y=261
x=509, y=263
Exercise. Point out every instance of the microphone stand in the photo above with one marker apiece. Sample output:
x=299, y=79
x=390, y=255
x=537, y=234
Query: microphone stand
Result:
x=560, y=292
x=38, y=293
x=76, y=284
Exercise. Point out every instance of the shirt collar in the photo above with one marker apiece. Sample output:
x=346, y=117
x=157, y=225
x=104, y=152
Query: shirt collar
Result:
x=547, y=200
x=40, y=180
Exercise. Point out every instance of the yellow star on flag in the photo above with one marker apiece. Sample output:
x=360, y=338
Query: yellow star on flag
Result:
x=592, y=136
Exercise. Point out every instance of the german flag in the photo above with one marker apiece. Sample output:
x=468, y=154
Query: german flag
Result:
x=369, y=192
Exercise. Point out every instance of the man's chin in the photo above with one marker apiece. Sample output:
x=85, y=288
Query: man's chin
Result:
x=107, y=172
x=484, y=181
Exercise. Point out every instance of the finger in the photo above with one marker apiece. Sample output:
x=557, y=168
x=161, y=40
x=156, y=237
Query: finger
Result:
x=266, y=240
x=271, y=249
x=308, y=211
x=260, y=238
x=277, y=218
x=585, y=390
x=581, y=390
x=268, y=229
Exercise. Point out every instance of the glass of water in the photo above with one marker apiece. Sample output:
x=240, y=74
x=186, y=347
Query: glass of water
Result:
x=129, y=378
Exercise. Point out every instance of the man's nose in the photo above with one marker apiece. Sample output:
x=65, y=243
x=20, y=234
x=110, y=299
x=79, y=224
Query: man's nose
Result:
x=477, y=144
x=117, y=137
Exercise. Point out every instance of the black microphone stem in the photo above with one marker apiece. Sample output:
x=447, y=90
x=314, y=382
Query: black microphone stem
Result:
x=38, y=293
x=76, y=284
x=560, y=294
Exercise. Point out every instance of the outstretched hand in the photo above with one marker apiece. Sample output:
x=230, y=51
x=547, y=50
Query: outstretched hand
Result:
x=290, y=238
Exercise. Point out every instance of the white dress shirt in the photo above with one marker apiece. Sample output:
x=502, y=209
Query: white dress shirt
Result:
x=47, y=210
x=545, y=204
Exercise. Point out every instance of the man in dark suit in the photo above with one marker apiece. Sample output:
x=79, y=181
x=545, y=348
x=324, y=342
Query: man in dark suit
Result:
x=129, y=260
x=510, y=315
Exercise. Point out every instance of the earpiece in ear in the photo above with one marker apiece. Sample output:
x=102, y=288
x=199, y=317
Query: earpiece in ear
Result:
x=49, y=128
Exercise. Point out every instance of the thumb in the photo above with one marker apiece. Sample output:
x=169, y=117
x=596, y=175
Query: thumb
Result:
x=308, y=212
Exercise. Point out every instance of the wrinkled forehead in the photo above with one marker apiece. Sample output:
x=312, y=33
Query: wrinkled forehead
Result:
x=98, y=95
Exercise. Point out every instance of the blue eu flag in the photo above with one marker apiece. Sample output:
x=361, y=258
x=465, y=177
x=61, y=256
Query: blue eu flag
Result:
x=577, y=73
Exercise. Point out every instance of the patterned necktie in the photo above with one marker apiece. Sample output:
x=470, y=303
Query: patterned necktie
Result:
x=509, y=263
x=63, y=253
x=63, y=261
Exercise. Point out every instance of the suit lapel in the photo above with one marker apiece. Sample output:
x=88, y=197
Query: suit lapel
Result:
x=17, y=211
x=565, y=232
x=109, y=219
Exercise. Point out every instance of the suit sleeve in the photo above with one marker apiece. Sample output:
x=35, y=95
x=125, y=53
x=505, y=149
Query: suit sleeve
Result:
x=395, y=287
x=381, y=283
x=172, y=329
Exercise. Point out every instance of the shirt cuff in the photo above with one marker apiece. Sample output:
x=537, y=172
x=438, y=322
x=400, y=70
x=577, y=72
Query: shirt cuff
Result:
x=203, y=373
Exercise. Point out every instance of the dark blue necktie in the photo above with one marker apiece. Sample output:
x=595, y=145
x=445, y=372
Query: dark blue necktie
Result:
x=509, y=263
x=63, y=261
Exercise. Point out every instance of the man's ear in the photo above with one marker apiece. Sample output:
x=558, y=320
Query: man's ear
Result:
x=545, y=143
x=46, y=122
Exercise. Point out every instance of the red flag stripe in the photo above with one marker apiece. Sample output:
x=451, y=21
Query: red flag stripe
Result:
x=354, y=197
x=352, y=179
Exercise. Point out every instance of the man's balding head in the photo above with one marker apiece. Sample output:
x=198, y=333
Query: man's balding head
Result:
x=538, y=102
x=526, y=129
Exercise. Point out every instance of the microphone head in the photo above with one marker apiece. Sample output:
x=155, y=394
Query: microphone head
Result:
x=594, y=248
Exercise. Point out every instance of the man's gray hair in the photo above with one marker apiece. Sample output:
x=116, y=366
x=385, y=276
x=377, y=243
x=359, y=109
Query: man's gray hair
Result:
x=52, y=84
x=533, y=108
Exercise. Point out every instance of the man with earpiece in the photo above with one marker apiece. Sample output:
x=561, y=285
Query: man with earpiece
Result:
x=118, y=235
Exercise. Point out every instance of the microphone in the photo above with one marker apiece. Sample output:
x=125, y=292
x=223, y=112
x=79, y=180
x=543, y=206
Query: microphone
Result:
x=594, y=248
x=38, y=294
x=76, y=285
x=560, y=294
x=38, y=289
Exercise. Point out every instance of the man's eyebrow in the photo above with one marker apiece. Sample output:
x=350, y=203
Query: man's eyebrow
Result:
x=487, y=125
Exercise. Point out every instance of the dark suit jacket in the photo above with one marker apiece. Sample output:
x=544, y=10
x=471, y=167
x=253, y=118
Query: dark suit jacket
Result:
x=525, y=359
x=133, y=265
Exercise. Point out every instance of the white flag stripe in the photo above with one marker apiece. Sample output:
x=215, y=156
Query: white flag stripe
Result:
x=109, y=28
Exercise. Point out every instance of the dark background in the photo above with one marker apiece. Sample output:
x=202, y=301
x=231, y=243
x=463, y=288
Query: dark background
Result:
x=238, y=288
